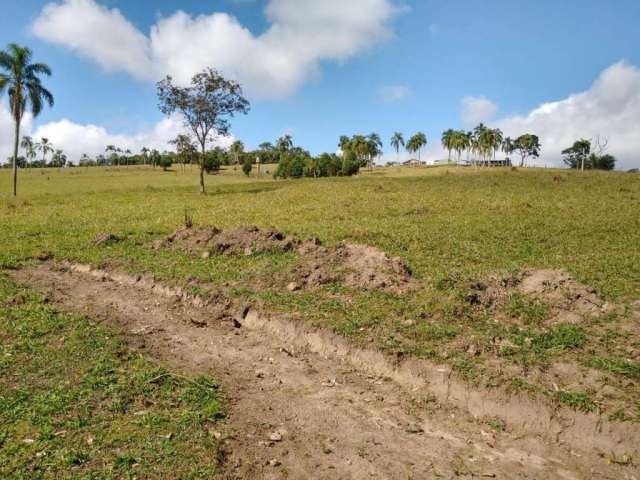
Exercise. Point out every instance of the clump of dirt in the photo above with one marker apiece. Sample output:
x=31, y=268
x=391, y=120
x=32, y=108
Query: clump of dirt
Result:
x=208, y=240
x=105, y=238
x=567, y=299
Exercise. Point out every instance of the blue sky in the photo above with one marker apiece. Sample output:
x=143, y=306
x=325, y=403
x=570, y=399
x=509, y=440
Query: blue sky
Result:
x=432, y=54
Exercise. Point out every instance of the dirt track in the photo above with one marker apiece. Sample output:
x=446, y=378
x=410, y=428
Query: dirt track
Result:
x=299, y=414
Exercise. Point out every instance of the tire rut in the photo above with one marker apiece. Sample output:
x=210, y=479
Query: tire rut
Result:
x=296, y=413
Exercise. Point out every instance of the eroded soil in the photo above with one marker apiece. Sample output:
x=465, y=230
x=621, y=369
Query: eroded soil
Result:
x=306, y=405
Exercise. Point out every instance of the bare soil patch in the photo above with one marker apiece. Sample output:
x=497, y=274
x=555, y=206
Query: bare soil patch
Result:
x=304, y=403
x=568, y=300
x=355, y=265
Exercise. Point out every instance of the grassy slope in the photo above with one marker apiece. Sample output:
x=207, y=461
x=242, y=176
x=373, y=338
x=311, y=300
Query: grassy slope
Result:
x=450, y=225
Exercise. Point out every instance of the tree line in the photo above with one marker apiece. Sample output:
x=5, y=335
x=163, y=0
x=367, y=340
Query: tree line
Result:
x=208, y=103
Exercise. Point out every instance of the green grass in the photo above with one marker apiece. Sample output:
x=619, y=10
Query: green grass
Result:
x=77, y=402
x=451, y=225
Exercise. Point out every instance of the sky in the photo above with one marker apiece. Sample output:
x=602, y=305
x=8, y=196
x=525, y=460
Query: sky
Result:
x=318, y=69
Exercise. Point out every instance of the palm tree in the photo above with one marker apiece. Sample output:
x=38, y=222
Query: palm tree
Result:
x=144, y=151
x=29, y=147
x=374, y=144
x=21, y=79
x=45, y=147
x=416, y=142
x=284, y=144
x=397, y=141
x=58, y=159
x=236, y=149
x=448, y=141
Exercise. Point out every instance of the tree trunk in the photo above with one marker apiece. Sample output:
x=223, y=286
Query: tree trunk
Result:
x=15, y=158
x=202, y=171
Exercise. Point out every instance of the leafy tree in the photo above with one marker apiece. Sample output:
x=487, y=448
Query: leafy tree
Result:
x=21, y=79
x=165, y=162
x=205, y=105
x=397, y=141
x=247, y=165
x=508, y=146
x=603, y=162
x=416, y=143
x=576, y=155
x=527, y=145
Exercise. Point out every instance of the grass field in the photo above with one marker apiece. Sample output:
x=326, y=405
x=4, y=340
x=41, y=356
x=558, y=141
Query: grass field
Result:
x=452, y=226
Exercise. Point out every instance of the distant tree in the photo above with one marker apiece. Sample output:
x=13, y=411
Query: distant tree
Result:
x=603, y=162
x=508, y=146
x=165, y=161
x=247, y=165
x=397, y=142
x=29, y=147
x=416, y=143
x=284, y=143
x=155, y=157
x=527, y=145
x=205, y=105
x=576, y=155
x=236, y=149
x=448, y=141
x=21, y=79
x=185, y=148
x=374, y=148
x=58, y=159
x=45, y=148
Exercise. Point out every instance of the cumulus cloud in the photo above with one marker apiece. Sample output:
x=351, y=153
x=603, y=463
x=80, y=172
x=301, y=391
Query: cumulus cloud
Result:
x=76, y=139
x=474, y=110
x=394, y=93
x=609, y=108
x=302, y=34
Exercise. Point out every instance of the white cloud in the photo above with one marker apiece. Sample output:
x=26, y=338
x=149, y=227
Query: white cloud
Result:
x=302, y=34
x=476, y=109
x=394, y=93
x=76, y=139
x=609, y=108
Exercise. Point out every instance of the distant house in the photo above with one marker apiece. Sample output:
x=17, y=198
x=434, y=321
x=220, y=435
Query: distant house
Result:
x=414, y=163
x=505, y=162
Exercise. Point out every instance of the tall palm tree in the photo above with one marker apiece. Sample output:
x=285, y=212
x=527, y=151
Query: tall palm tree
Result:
x=284, y=143
x=416, y=143
x=144, y=151
x=397, y=141
x=45, y=147
x=21, y=79
x=29, y=147
x=374, y=144
x=448, y=139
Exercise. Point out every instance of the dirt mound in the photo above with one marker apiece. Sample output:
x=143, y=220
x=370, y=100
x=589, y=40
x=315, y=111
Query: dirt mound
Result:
x=356, y=265
x=371, y=268
x=208, y=240
x=566, y=299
